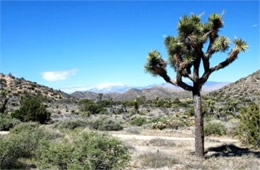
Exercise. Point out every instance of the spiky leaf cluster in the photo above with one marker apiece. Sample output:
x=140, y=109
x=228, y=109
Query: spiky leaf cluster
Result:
x=241, y=44
x=215, y=21
x=153, y=60
x=221, y=44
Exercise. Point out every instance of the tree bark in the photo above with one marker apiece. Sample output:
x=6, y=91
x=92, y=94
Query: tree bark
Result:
x=199, y=129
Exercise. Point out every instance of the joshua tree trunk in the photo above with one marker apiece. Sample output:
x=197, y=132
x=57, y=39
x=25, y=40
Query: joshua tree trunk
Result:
x=199, y=131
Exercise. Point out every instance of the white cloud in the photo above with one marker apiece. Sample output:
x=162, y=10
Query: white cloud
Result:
x=255, y=25
x=58, y=75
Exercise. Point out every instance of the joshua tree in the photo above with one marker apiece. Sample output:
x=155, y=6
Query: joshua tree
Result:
x=186, y=52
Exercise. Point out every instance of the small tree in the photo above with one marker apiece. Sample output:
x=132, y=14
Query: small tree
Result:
x=32, y=109
x=186, y=53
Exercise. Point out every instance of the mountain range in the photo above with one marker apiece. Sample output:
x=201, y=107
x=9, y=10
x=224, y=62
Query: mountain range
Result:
x=121, y=92
x=247, y=88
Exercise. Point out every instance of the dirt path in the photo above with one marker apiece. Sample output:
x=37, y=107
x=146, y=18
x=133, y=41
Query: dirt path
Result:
x=146, y=137
x=158, y=150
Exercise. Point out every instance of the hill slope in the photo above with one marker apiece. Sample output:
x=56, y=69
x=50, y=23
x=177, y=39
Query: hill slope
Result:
x=245, y=89
x=13, y=88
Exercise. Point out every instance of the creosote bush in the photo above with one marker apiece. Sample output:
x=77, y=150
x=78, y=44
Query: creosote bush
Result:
x=88, y=150
x=22, y=142
x=214, y=129
x=47, y=150
x=249, y=129
x=106, y=124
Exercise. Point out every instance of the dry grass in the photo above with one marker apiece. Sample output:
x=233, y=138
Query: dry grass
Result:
x=162, y=142
x=156, y=160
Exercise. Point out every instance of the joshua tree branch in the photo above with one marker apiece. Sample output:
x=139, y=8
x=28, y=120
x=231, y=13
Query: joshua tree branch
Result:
x=232, y=56
x=162, y=72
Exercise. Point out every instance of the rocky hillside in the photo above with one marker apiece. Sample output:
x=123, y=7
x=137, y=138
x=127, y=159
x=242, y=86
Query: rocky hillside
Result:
x=245, y=89
x=131, y=94
x=13, y=88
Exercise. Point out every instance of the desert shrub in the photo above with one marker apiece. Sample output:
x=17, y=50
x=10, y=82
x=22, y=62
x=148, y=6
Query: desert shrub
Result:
x=214, y=129
x=106, y=124
x=171, y=123
x=161, y=142
x=159, y=125
x=138, y=121
x=157, y=160
x=89, y=150
x=32, y=109
x=72, y=124
x=90, y=107
x=7, y=122
x=30, y=135
x=9, y=153
x=22, y=142
x=249, y=129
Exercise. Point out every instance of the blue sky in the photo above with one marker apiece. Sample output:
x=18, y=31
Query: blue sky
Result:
x=77, y=45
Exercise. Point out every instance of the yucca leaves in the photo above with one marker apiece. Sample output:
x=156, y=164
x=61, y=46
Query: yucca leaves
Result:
x=221, y=44
x=153, y=60
x=215, y=21
x=241, y=44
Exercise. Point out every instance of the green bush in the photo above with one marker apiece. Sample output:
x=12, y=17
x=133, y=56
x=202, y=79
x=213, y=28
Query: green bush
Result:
x=30, y=135
x=7, y=122
x=90, y=107
x=9, y=153
x=22, y=142
x=89, y=150
x=138, y=121
x=249, y=129
x=214, y=129
x=171, y=123
x=106, y=124
x=32, y=109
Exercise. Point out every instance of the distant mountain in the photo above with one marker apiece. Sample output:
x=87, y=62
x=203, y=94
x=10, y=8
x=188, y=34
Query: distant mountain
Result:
x=150, y=92
x=247, y=88
x=111, y=89
x=134, y=93
x=209, y=86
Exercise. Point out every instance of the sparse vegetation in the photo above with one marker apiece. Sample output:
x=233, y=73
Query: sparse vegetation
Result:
x=106, y=124
x=162, y=142
x=88, y=150
x=214, y=129
x=138, y=121
x=157, y=160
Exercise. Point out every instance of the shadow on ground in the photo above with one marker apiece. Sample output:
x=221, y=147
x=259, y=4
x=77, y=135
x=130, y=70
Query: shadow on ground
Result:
x=230, y=151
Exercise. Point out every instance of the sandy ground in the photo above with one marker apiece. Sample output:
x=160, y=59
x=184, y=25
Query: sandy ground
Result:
x=180, y=146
